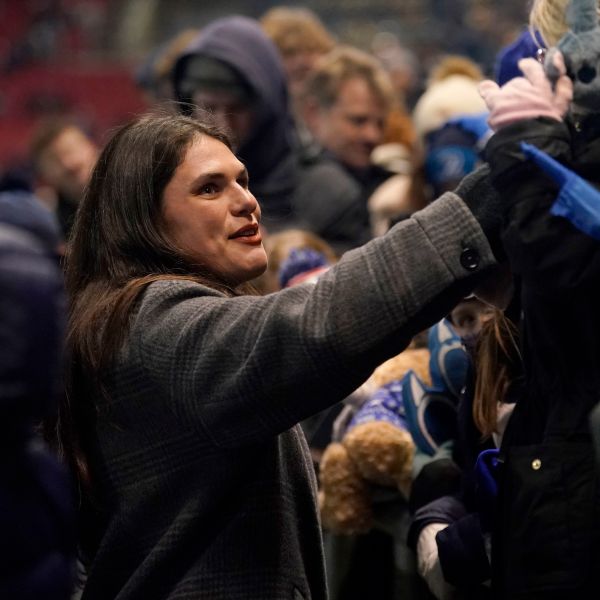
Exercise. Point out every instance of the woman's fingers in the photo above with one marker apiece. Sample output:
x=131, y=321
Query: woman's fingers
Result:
x=487, y=89
x=563, y=94
x=558, y=61
x=535, y=74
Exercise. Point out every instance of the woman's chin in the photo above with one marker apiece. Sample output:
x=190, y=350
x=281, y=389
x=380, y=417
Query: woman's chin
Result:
x=249, y=271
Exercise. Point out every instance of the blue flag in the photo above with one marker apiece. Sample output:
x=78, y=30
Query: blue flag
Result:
x=577, y=201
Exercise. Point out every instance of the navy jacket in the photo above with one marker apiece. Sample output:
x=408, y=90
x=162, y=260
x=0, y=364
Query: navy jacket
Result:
x=37, y=538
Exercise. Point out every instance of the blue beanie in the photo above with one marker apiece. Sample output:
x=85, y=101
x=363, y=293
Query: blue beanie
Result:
x=301, y=261
x=451, y=153
x=525, y=46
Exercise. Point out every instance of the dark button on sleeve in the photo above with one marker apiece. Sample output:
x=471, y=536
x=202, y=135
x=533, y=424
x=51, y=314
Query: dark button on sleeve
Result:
x=469, y=259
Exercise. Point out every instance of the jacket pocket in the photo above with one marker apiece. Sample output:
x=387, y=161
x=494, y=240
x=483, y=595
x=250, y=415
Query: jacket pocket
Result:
x=547, y=518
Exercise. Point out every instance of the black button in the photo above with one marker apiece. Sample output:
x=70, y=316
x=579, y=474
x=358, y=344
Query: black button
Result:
x=469, y=259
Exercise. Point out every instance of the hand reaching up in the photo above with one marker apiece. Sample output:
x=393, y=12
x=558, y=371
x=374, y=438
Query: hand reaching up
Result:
x=530, y=96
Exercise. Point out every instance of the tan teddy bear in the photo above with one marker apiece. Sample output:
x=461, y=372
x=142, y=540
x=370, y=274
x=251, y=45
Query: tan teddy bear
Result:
x=372, y=451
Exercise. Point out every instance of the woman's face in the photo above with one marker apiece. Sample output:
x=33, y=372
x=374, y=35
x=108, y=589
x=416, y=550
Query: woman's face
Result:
x=469, y=315
x=211, y=215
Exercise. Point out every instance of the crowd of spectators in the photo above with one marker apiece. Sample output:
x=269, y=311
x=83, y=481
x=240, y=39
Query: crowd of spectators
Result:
x=347, y=128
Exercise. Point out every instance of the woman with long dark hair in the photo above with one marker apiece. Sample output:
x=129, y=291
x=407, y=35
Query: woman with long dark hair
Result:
x=184, y=389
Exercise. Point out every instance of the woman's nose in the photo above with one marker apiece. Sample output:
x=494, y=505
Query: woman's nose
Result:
x=246, y=203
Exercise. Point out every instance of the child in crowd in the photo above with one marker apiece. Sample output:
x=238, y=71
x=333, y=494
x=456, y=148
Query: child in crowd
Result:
x=452, y=518
x=547, y=527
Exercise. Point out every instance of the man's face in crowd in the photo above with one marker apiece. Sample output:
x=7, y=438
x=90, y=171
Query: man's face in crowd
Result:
x=353, y=126
x=229, y=112
x=67, y=162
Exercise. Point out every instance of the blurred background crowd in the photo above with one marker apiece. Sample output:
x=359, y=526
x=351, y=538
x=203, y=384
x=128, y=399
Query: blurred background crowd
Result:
x=79, y=56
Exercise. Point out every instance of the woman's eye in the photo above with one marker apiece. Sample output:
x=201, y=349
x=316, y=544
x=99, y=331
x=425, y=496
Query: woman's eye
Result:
x=466, y=321
x=208, y=188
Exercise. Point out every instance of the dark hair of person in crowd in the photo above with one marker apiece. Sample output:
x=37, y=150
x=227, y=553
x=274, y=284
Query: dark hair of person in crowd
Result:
x=498, y=363
x=105, y=274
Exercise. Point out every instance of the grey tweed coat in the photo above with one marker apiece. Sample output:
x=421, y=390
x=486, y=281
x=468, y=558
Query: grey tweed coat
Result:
x=207, y=481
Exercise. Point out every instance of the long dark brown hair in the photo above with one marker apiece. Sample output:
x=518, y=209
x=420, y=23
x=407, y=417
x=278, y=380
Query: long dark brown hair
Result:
x=118, y=247
x=498, y=364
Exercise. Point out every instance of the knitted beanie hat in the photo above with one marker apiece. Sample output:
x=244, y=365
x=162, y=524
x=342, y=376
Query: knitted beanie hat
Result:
x=302, y=265
x=452, y=91
x=525, y=46
x=451, y=153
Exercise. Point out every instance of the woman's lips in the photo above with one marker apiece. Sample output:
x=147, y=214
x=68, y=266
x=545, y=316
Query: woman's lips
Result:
x=249, y=235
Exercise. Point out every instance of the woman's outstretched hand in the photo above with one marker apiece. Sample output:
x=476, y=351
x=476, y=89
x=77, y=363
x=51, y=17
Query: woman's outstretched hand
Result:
x=530, y=96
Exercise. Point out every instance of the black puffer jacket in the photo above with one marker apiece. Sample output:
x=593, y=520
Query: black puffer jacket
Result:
x=546, y=542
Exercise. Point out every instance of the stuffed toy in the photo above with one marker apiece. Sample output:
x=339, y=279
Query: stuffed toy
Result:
x=407, y=413
x=580, y=48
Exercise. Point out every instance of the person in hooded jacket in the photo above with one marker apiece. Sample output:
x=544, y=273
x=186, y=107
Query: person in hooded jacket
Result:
x=453, y=505
x=233, y=70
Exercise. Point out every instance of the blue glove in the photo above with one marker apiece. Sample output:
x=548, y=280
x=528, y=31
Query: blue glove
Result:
x=577, y=201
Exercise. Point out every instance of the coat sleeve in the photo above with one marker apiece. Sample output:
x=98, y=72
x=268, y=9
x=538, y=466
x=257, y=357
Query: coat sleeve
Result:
x=246, y=368
x=544, y=249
